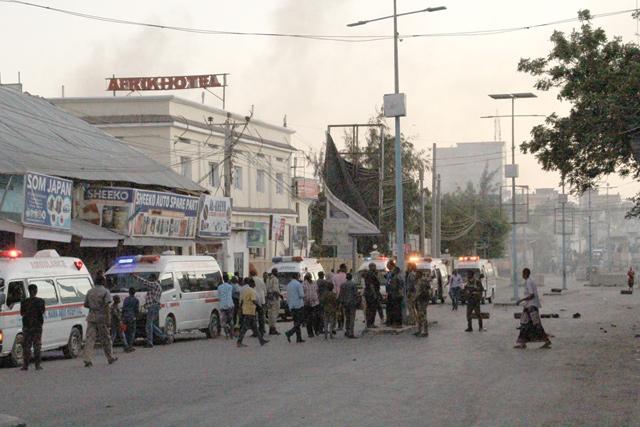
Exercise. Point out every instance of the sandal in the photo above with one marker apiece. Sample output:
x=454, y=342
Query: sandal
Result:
x=520, y=346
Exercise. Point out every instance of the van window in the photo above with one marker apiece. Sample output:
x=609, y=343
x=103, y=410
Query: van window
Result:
x=187, y=283
x=213, y=280
x=15, y=293
x=166, y=281
x=73, y=289
x=46, y=291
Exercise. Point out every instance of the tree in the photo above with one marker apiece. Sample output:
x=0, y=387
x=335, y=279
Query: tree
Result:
x=601, y=80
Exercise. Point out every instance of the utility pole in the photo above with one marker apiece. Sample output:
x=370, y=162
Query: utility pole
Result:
x=609, y=246
x=589, y=245
x=380, y=189
x=422, y=215
x=434, y=193
x=438, y=219
x=564, y=238
x=227, y=161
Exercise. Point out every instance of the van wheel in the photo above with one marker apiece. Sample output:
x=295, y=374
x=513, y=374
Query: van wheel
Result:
x=170, y=329
x=17, y=351
x=74, y=345
x=213, y=331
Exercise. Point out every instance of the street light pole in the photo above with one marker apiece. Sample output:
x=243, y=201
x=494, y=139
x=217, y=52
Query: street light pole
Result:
x=398, y=151
x=513, y=174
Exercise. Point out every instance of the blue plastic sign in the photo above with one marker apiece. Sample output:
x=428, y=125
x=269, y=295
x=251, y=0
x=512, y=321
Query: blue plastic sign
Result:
x=47, y=201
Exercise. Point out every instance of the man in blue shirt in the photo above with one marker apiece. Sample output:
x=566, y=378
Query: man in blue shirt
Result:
x=226, y=305
x=295, y=300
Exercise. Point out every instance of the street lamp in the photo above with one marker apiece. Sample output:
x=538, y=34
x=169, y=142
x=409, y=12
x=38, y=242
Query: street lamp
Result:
x=398, y=102
x=511, y=171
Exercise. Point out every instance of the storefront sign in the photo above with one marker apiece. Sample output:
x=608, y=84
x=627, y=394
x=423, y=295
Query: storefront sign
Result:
x=159, y=214
x=165, y=83
x=306, y=188
x=47, y=201
x=278, y=223
x=299, y=236
x=108, y=207
x=215, y=217
x=257, y=237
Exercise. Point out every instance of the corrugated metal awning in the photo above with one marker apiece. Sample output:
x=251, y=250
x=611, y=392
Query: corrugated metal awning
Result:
x=94, y=236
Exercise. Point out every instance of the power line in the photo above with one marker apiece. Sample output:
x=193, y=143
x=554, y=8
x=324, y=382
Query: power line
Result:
x=347, y=38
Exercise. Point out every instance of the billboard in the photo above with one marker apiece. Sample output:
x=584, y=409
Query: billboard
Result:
x=159, y=214
x=278, y=224
x=130, y=84
x=215, y=217
x=257, y=236
x=108, y=207
x=47, y=201
x=306, y=188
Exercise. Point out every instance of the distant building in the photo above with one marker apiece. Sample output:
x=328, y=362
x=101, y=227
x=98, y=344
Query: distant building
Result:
x=465, y=163
x=542, y=197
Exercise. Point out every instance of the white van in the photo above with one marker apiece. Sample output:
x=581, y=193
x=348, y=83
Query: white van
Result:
x=289, y=265
x=189, y=290
x=62, y=282
x=479, y=267
x=436, y=267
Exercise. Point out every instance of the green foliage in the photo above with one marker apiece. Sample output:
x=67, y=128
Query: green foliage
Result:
x=600, y=77
x=481, y=208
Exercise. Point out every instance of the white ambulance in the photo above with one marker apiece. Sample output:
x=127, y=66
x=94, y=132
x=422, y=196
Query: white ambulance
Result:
x=287, y=266
x=478, y=267
x=437, y=268
x=189, y=284
x=62, y=282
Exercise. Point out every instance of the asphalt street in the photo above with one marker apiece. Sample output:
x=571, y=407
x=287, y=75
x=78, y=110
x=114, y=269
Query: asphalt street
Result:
x=452, y=378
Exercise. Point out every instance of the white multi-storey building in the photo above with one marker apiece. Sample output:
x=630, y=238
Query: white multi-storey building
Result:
x=189, y=137
x=465, y=163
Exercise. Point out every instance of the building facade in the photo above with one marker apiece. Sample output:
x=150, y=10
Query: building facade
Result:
x=190, y=138
x=466, y=162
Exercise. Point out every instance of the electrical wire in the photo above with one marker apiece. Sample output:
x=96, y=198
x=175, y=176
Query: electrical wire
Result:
x=347, y=38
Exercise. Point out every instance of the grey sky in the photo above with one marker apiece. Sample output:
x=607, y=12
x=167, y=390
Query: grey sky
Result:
x=314, y=83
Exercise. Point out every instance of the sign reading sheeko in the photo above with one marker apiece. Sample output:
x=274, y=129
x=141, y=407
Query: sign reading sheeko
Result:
x=165, y=83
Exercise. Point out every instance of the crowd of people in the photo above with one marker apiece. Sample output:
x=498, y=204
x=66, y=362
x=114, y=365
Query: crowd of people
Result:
x=324, y=307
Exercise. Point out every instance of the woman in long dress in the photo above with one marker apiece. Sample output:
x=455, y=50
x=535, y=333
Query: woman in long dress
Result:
x=531, y=329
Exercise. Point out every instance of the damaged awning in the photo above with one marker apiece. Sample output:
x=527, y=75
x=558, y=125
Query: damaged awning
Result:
x=94, y=236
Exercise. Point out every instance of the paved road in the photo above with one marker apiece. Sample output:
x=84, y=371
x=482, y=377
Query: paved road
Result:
x=589, y=377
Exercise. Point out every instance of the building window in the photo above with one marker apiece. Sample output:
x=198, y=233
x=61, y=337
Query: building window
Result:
x=185, y=166
x=214, y=174
x=237, y=177
x=279, y=183
x=260, y=181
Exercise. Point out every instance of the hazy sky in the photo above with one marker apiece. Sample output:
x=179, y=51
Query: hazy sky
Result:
x=314, y=83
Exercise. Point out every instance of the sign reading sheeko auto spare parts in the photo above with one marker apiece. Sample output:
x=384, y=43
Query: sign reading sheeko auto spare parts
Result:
x=159, y=214
x=166, y=82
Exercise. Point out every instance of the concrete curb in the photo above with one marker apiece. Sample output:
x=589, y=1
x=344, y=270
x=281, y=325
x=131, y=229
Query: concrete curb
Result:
x=385, y=330
x=10, y=421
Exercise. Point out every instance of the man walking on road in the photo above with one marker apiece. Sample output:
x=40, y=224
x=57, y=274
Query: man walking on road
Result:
x=295, y=301
x=329, y=303
x=349, y=299
x=273, y=301
x=631, y=275
x=32, y=312
x=130, y=309
x=423, y=295
x=97, y=301
x=261, y=291
x=531, y=329
x=225, y=295
x=338, y=280
x=152, y=306
x=473, y=295
x=455, y=288
x=371, y=295
x=311, y=306
x=324, y=286
x=249, y=305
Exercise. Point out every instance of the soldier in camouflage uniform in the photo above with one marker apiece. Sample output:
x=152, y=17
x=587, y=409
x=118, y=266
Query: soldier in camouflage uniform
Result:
x=473, y=294
x=411, y=284
x=422, y=297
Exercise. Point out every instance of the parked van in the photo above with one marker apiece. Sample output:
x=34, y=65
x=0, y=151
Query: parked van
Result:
x=189, y=290
x=289, y=265
x=437, y=268
x=479, y=267
x=62, y=283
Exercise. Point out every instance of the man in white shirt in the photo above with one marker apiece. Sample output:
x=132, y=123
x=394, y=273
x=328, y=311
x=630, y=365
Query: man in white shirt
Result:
x=455, y=289
x=261, y=291
x=531, y=329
